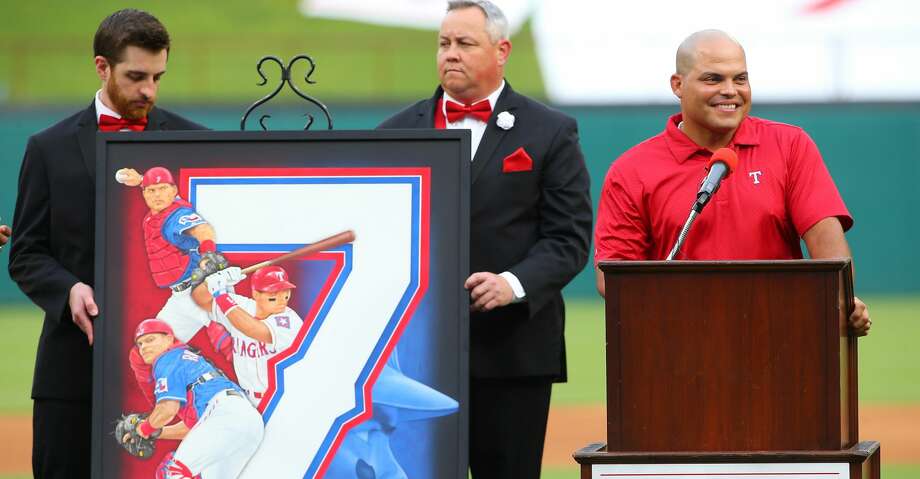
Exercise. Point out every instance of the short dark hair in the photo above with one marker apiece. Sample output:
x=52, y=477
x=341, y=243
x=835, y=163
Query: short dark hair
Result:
x=129, y=27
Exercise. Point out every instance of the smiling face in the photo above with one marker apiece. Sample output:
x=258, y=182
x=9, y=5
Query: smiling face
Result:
x=130, y=86
x=714, y=92
x=150, y=346
x=470, y=64
x=268, y=303
x=159, y=196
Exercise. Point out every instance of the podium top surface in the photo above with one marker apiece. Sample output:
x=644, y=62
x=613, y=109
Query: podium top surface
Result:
x=621, y=267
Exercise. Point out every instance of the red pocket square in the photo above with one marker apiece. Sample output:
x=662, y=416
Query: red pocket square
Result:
x=517, y=161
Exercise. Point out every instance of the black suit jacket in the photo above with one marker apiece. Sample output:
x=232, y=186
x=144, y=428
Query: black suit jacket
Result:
x=52, y=242
x=535, y=224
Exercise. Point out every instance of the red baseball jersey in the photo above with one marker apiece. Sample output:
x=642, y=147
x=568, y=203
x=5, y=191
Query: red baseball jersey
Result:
x=779, y=190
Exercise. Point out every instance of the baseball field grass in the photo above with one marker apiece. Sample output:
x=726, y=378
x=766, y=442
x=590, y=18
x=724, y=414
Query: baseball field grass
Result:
x=215, y=47
x=889, y=364
x=889, y=359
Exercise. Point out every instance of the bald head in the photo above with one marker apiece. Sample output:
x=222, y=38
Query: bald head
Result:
x=700, y=42
x=712, y=84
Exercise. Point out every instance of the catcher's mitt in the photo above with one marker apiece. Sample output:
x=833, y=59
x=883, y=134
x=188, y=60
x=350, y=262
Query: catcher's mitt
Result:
x=127, y=437
x=210, y=263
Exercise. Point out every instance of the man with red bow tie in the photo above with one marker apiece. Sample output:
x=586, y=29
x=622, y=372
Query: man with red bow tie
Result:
x=52, y=256
x=530, y=224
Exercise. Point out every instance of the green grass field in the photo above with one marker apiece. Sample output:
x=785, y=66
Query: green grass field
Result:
x=46, y=53
x=22, y=325
x=889, y=365
x=889, y=361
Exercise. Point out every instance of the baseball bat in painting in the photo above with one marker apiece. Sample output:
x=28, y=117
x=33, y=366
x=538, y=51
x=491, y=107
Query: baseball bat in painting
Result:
x=344, y=237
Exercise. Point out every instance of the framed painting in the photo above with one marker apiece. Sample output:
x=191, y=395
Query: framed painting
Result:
x=281, y=304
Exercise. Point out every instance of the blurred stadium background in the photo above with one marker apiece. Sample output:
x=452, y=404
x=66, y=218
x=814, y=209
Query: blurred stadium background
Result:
x=851, y=85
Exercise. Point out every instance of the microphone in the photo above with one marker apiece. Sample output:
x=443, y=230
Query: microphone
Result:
x=720, y=166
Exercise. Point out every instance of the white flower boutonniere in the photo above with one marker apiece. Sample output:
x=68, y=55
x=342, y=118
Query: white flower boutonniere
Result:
x=505, y=120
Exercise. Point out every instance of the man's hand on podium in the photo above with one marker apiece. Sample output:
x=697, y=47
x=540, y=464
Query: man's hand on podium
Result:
x=859, y=319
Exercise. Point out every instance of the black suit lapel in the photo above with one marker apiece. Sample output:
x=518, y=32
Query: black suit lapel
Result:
x=86, y=137
x=155, y=120
x=425, y=111
x=87, y=127
x=493, y=135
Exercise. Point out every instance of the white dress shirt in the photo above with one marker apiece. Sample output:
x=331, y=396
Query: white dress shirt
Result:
x=101, y=109
x=469, y=122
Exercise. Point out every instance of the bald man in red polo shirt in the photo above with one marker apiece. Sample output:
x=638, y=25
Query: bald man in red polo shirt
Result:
x=780, y=191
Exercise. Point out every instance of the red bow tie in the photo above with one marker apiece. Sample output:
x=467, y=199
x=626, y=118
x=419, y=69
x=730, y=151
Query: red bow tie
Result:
x=481, y=110
x=110, y=123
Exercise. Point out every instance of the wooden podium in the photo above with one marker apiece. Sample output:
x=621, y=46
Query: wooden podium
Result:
x=730, y=369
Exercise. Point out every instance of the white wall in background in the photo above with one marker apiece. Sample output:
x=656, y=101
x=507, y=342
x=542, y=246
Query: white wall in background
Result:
x=597, y=51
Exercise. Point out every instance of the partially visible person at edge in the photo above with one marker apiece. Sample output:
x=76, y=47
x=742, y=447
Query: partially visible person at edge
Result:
x=781, y=191
x=52, y=255
x=530, y=230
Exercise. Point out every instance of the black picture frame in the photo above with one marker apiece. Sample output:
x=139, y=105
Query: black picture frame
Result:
x=442, y=307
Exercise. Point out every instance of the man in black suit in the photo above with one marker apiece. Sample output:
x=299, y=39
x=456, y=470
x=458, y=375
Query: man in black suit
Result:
x=52, y=257
x=530, y=219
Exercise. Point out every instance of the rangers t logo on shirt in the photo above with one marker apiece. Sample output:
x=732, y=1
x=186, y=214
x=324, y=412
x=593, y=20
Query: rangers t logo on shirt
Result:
x=188, y=219
x=283, y=321
x=162, y=387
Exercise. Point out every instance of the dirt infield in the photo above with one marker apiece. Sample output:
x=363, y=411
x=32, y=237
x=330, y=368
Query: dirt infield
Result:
x=16, y=453
x=570, y=428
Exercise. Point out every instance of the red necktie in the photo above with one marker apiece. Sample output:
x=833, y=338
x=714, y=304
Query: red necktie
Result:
x=110, y=123
x=481, y=110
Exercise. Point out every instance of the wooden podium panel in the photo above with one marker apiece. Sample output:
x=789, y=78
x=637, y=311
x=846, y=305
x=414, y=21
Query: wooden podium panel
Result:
x=730, y=356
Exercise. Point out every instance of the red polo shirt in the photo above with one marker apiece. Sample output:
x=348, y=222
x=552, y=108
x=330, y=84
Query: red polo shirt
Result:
x=778, y=191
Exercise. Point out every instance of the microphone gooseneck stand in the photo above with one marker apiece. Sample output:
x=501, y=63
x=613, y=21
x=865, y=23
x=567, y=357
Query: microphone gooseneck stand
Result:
x=683, y=234
x=721, y=165
x=702, y=198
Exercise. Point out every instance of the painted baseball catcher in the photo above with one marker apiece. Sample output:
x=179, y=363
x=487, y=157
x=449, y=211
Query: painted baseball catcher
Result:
x=221, y=430
x=180, y=246
x=181, y=252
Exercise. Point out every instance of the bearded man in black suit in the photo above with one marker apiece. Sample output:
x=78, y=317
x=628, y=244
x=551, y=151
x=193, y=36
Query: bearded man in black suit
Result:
x=52, y=256
x=530, y=231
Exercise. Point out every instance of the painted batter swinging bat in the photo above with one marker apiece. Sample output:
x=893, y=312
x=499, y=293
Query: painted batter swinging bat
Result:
x=344, y=237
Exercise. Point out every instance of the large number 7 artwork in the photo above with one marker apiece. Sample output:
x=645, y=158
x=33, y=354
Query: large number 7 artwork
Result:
x=284, y=305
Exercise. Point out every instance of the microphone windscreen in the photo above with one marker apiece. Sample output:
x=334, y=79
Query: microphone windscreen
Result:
x=726, y=155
